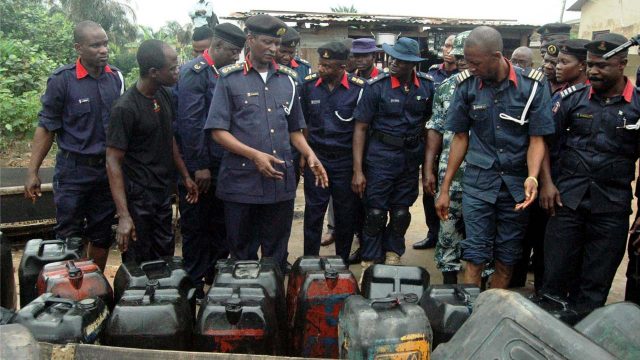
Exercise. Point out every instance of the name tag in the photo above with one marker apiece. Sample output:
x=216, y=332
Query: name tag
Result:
x=479, y=106
x=83, y=100
x=315, y=102
x=584, y=116
x=252, y=94
x=394, y=100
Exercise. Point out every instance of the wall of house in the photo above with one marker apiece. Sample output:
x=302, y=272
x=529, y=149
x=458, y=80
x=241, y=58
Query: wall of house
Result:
x=618, y=16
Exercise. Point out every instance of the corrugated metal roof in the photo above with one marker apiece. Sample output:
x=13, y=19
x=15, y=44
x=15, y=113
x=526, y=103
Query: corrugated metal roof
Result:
x=577, y=6
x=297, y=16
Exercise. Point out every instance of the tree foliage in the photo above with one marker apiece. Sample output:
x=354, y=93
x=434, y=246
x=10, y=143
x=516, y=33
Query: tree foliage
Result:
x=344, y=9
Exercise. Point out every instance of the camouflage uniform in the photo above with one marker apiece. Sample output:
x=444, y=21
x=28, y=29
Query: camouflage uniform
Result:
x=451, y=232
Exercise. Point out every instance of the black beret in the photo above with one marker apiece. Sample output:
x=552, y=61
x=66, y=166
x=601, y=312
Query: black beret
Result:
x=202, y=33
x=552, y=48
x=574, y=47
x=231, y=34
x=554, y=29
x=334, y=50
x=603, y=43
x=266, y=25
x=291, y=38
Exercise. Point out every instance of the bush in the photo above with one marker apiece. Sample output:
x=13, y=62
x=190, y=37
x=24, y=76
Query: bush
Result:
x=18, y=114
x=23, y=67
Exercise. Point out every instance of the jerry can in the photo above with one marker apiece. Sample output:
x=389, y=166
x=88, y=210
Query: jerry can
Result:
x=57, y=320
x=447, y=308
x=18, y=343
x=393, y=327
x=381, y=280
x=38, y=253
x=75, y=280
x=317, y=290
x=6, y=316
x=152, y=318
x=237, y=320
x=8, y=288
x=559, y=307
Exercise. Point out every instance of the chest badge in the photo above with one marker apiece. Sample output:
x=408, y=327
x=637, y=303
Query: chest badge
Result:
x=315, y=102
x=479, y=106
x=394, y=100
x=250, y=94
x=83, y=100
x=156, y=106
x=418, y=97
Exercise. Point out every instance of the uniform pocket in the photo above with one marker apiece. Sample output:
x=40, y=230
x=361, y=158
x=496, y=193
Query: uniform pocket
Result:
x=391, y=106
x=79, y=110
x=240, y=176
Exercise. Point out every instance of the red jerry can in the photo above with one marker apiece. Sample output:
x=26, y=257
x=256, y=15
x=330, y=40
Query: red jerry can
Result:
x=316, y=293
x=75, y=280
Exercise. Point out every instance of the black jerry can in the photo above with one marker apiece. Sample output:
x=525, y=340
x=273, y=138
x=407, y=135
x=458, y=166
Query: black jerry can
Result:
x=153, y=318
x=447, y=308
x=559, y=307
x=381, y=280
x=394, y=327
x=168, y=271
x=237, y=320
x=615, y=327
x=505, y=326
x=316, y=292
x=38, y=253
x=57, y=320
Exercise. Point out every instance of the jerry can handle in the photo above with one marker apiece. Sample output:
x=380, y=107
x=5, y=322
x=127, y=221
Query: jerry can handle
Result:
x=461, y=293
x=152, y=263
x=72, y=269
x=150, y=291
x=557, y=300
x=253, y=263
x=58, y=300
x=329, y=271
x=49, y=242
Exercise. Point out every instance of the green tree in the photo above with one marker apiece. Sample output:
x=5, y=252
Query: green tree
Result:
x=344, y=9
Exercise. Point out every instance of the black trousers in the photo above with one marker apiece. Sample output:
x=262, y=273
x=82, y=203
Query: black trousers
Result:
x=582, y=253
x=632, y=292
x=533, y=241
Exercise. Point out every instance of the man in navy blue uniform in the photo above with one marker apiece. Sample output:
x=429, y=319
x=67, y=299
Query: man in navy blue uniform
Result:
x=328, y=100
x=500, y=114
x=394, y=109
x=202, y=224
x=286, y=54
x=257, y=118
x=585, y=240
x=75, y=111
x=201, y=40
x=364, y=53
x=440, y=72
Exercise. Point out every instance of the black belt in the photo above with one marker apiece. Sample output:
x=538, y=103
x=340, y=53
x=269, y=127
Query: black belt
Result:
x=331, y=153
x=398, y=141
x=84, y=159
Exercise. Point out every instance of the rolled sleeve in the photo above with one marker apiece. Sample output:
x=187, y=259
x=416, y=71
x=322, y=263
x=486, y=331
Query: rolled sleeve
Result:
x=120, y=128
x=295, y=119
x=53, y=100
x=220, y=110
x=457, y=118
x=368, y=105
x=191, y=116
x=540, y=115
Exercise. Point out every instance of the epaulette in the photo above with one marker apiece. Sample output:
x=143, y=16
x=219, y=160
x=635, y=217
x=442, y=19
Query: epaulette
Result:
x=289, y=71
x=461, y=77
x=571, y=89
x=434, y=66
x=380, y=76
x=311, y=77
x=63, y=68
x=114, y=69
x=303, y=61
x=226, y=70
x=199, y=66
x=424, y=75
x=535, y=75
x=356, y=80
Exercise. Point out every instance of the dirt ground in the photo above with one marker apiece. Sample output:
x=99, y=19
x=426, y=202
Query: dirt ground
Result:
x=417, y=231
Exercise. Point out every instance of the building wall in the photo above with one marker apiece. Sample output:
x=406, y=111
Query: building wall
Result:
x=618, y=16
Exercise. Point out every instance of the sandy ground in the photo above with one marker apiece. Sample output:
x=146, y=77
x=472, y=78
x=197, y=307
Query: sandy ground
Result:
x=417, y=231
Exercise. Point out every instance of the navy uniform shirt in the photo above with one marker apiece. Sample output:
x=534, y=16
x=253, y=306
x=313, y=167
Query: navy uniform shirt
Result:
x=599, y=153
x=498, y=147
x=194, y=92
x=329, y=114
x=439, y=74
x=76, y=107
x=260, y=115
x=301, y=67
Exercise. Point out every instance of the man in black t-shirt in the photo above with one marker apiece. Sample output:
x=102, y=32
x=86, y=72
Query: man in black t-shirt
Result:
x=141, y=155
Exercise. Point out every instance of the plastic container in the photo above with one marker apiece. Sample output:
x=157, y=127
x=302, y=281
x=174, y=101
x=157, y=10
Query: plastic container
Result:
x=57, y=320
x=615, y=327
x=317, y=290
x=394, y=327
x=6, y=316
x=75, y=280
x=381, y=280
x=38, y=253
x=237, y=320
x=8, y=288
x=18, y=343
x=447, y=308
x=153, y=318
x=558, y=307
x=505, y=325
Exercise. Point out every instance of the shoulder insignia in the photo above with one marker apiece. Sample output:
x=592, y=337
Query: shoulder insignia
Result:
x=356, y=80
x=571, y=89
x=311, y=77
x=304, y=62
x=199, y=66
x=461, y=77
x=226, y=70
x=425, y=76
x=380, y=76
x=114, y=68
x=63, y=68
x=535, y=75
x=287, y=70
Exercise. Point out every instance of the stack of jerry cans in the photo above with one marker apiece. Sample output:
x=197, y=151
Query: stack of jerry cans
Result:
x=75, y=280
x=381, y=280
x=316, y=292
x=237, y=320
x=505, y=325
x=38, y=253
x=57, y=320
x=447, y=308
x=394, y=327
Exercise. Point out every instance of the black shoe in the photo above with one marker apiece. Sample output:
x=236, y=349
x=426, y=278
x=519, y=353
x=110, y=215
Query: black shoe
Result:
x=287, y=268
x=427, y=243
x=199, y=294
x=354, y=258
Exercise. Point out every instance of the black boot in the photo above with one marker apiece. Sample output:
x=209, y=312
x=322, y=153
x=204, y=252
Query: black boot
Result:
x=427, y=243
x=449, y=277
